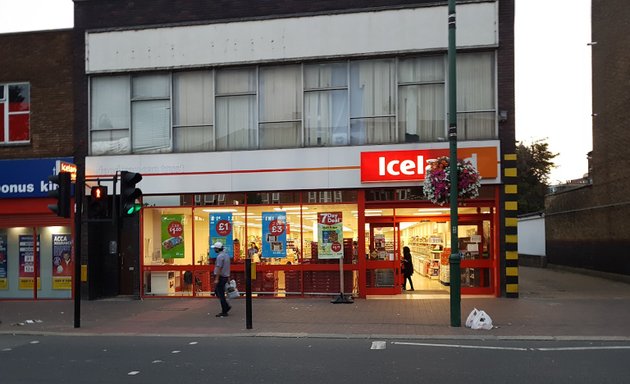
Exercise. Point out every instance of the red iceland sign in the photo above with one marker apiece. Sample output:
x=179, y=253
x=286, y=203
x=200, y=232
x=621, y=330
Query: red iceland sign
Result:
x=389, y=166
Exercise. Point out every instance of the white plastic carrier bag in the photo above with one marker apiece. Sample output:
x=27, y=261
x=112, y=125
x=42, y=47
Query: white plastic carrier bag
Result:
x=231, y=291
x=478, y=319
x=471, y=316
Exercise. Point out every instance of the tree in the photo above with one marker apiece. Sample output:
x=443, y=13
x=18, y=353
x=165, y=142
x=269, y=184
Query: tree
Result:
x=533, y=163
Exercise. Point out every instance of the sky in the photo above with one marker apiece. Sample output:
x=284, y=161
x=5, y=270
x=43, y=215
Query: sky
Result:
x=552, y=64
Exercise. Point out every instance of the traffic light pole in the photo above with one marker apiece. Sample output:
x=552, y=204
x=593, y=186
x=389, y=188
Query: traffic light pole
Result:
x=78, y=213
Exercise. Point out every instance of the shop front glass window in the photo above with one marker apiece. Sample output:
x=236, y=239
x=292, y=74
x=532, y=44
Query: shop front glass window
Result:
x=476, y=278
x=45, y=259
x=168, y=242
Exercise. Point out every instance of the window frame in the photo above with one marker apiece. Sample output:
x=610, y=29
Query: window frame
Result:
x=338, y=79
x=5, y=102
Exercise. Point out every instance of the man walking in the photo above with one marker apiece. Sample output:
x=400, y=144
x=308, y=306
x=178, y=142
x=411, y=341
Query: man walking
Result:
x=221, y=276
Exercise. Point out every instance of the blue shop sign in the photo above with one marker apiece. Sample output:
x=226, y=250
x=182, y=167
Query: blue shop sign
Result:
x=27, y=178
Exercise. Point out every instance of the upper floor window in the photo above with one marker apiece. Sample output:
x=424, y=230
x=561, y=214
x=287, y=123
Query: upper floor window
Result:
x=193, y=111
x=326, y=104
x=421, y=99
x=373, y=102
x=317, y=104
x=15, y=112
x=280, y=107
x=476, y=110
x=131, y=114
x=236, y=109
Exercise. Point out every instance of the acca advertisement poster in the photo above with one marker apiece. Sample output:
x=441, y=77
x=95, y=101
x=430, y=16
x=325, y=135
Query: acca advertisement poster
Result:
x=172, y=236
x=26, y=254
x=330, y=235
x=274, y=234
x=4, y=283
x=221, y=230
x=63, y=265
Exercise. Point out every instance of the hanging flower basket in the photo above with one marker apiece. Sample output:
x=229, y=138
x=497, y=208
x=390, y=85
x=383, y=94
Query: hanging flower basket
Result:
x=437, y=183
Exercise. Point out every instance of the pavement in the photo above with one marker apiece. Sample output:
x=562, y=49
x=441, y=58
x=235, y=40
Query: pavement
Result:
x=553, y=305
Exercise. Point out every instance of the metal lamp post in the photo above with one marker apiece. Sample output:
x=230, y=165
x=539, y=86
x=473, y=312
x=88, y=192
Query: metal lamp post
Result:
x=455, y=258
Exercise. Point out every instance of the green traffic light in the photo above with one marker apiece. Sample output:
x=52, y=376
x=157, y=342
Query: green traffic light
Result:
x=134, y=208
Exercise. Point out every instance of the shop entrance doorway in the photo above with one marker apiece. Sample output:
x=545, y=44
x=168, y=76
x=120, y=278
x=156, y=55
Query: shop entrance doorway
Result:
x=429, y=243
x=383, y=272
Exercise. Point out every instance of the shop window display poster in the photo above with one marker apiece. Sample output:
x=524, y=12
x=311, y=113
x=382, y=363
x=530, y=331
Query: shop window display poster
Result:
x=63, y=264
x=26, y=254
x=330, y=235
x=274, y=234
x=221, y=230
x=172, y=236
x=4, y=283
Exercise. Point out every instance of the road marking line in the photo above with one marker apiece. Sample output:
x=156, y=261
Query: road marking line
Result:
x=462, y=346
x=133, y=373
x=611, y=347
x=584, y=348
x=378, y=345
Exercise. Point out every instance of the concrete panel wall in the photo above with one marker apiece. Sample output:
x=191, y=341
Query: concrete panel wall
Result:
x=308, y=37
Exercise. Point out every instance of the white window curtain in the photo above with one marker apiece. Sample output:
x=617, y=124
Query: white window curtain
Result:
x=326, y=104
x=325, y=76
x=280, y=106
x=110, y=115
x=236, y=123
x=236, y=109
x=422, y=113
x=150, y=113
x=372, y=102
x=421, y=99
x=326, y=118
x=476, y=118
x=193, y=111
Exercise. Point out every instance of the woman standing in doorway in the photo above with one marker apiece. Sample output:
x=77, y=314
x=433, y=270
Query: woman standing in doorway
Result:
x=407, y=268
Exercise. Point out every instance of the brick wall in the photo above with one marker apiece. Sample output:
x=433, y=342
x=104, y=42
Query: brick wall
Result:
x=588, y=227
x=44, y=59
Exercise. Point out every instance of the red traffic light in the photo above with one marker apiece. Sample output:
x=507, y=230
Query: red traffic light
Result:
x=99, y=192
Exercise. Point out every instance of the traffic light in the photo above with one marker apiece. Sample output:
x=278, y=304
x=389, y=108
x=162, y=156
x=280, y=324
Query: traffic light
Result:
x=98, y=202
x=129, y=193
x=61, y=192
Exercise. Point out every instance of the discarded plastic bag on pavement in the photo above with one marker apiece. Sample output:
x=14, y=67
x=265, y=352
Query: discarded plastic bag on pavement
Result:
x=471, y=316
x=479, y=319
x=231, y=291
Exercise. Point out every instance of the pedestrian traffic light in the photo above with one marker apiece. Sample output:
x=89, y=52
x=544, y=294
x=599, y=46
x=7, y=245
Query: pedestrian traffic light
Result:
x=129, y=194
x=98, y=207
x=60, y=191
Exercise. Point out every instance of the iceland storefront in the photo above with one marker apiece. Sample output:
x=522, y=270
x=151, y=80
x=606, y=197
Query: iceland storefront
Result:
x=299, y=138
x=297, y=213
